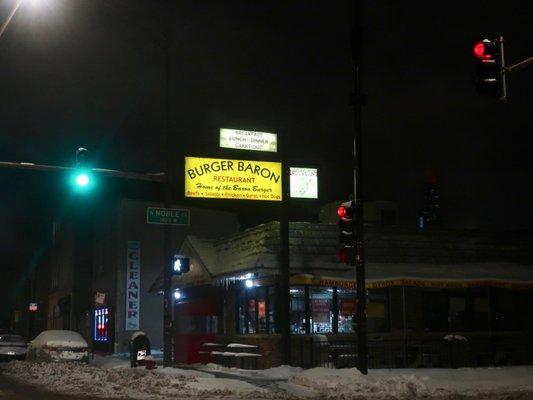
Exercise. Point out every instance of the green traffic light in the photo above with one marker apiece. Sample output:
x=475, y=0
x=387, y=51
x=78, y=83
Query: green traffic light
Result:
x=82, y=180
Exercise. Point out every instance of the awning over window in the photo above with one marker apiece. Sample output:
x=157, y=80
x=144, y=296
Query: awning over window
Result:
x=507, y=275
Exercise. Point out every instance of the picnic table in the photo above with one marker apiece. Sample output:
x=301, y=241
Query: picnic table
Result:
x=237, y=354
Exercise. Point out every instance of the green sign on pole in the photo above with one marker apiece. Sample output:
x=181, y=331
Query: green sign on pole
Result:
x=167, y=216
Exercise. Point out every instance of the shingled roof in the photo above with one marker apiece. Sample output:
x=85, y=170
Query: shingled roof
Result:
x=314, y=248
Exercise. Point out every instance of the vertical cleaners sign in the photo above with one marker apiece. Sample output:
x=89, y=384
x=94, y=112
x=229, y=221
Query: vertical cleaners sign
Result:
x=133, y=286
x=232, y=179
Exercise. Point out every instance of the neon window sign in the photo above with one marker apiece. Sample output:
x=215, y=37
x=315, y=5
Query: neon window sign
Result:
x=101, y=325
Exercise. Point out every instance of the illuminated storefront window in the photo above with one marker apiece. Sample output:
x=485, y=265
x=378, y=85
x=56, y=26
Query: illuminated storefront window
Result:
x=297, y=296
x=256, y=310
x=313, y=310
x=101, y=325
x=321, y=309
x=347, y=304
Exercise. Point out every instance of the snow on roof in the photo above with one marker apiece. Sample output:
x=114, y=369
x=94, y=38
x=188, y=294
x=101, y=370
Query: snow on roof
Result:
x=391, y=253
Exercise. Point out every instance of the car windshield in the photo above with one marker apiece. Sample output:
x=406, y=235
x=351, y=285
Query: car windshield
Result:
x=12, y=339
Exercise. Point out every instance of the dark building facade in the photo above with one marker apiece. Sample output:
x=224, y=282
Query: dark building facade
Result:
x=435, y=298
x=473, y=287
x=95, y=288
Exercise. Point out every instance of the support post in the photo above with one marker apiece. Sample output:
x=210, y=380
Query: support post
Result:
x=503, y=75
x=357, y=256
x=167, y=232
x=307, y=312
x=404, y=328
x=335, y=322
x=283, y=317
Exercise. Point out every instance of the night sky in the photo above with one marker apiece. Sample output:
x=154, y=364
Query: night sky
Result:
x=91, y=73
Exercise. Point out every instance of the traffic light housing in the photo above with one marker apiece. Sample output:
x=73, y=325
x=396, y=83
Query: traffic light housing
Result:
x=430, y=214
x=180, y=265
x=346, y=232
x=82, y=157
x=82, y=177
x=345, y=212
x=490, y=68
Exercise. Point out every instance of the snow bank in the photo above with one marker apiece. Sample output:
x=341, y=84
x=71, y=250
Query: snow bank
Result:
x=162, y=383
x=276, y=373
x=473, y=380
x=116, y=361
x=224, y=387
x=120, y=360
x=111, y=379
x=351, y=384
x=188, y=373
x=509, y=382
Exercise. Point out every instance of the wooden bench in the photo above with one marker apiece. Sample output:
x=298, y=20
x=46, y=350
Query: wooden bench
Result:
x=235, y=354
x=208, y=354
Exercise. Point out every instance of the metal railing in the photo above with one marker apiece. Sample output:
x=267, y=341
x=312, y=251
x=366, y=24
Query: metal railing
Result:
x=426, y=352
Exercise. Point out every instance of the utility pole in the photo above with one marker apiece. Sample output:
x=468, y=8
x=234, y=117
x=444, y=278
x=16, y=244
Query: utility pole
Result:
x=283, y=287
x=169, y=196
x=358, y=258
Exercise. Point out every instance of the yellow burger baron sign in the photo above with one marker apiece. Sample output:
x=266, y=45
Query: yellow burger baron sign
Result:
x=218, y=178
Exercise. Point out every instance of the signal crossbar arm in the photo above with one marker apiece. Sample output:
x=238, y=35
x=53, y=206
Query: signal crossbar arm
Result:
x=154, y=177
x=521, y=65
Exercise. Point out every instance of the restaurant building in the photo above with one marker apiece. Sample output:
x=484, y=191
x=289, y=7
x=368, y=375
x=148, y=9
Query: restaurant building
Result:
x=435, y=298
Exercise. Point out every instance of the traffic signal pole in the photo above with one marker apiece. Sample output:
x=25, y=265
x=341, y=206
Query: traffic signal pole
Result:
x=283, y=286
x=491, y=67
x=357, y=256
x=504, y=77
x=167, y=233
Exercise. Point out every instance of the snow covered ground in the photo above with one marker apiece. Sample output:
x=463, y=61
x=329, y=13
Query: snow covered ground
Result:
x=283, y=372
x=474, y=383
x=119, y=381
x=112, y=377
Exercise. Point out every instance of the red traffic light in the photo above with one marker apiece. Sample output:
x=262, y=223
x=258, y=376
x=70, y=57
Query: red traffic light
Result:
x=345, y=211
x=479, y=51
x=341, y=212
x=486, y=50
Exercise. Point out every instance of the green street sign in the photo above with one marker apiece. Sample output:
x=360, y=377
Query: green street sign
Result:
x=167, y=216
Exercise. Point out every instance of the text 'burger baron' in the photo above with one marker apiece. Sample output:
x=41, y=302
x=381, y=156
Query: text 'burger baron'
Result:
x=231, y=165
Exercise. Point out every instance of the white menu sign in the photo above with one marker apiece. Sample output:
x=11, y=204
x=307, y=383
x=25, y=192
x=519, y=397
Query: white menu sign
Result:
x=248, y=140
x=133, y=286
x=304, y=183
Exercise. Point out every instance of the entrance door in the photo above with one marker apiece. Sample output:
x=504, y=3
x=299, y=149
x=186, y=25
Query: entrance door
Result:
x=195, y=323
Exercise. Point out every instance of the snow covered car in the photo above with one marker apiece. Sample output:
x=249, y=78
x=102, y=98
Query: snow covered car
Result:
x=12, y=346
x=58, y=345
